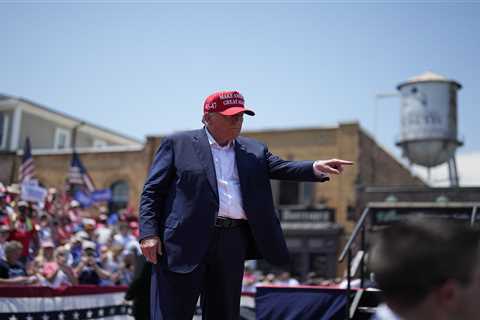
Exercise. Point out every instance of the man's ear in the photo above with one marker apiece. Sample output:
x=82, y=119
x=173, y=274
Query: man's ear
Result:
x=205, y=119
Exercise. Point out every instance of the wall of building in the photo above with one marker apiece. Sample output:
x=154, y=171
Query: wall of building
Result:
x=380, y=168
x=87, y=140
x=105, y=168
x=321, y=143
x=8, y=114
x=83, y=140
x=8, y=167
x=372, y=165
x=40, y=131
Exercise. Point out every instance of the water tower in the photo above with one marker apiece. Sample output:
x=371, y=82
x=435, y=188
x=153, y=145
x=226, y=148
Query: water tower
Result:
x=429, y=122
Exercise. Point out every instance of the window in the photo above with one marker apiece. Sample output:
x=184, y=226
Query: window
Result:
x=98, y=143
x=3, y=130
x=288, y=193
x=295, y=193
x=62, y=139
x=308, y=193
x=120, y=194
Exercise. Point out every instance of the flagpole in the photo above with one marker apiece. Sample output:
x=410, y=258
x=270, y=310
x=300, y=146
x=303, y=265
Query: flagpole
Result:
x=15, y=167
x=74, y=135
x=74, y=146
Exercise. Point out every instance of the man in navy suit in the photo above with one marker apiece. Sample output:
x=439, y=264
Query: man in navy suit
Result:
x=207, y=206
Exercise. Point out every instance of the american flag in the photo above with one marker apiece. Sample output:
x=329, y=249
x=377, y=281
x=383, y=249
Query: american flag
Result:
x=27, y=168
x=79, y=175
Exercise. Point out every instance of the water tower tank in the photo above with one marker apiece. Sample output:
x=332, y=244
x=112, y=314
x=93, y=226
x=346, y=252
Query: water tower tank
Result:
x=429, y=119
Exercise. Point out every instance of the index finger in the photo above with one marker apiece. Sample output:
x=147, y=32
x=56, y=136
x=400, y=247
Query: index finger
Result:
x=344, y=161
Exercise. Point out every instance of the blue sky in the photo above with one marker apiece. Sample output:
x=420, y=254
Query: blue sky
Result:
x=145, y=68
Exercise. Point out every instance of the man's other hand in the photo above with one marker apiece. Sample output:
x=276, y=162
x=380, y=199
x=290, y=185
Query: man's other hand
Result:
x=150, y=248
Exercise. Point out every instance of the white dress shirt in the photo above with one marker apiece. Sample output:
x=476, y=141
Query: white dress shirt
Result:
x=228, y=183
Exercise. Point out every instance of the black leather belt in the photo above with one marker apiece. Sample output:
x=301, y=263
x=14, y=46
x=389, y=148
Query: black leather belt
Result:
x=224, y=222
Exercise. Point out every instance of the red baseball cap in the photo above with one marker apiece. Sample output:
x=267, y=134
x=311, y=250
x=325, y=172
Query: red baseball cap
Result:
x=227, y=103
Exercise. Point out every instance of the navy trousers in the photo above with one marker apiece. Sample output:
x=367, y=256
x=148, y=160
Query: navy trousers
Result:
x=218, y=280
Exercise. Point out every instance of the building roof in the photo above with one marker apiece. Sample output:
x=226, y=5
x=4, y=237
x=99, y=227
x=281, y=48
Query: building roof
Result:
x=48, y=110
x=428, y=76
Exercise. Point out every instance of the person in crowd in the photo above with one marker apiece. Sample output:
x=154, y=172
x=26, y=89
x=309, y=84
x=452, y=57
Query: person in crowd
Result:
x=89, y=270
x=124, y=236
x=24, y=231
x=209, y=191
x=12, y=270
x=109, y=264
x=58, y=273
x=75, y=248
x=45, y=254
x=103, y=230
x=268, y=280
x=62, y=229
x=52, y=205
x=428, y=269
x=285, y=279
x=6, y=211
x=127, y=266
x=74, y=214
x=134, y=229
x=4, y=235
x=117, y=253
x=44, y=228
x=89, y=226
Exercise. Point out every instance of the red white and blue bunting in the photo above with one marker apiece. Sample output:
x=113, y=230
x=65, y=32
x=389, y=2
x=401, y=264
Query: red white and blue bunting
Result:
x=73, y=303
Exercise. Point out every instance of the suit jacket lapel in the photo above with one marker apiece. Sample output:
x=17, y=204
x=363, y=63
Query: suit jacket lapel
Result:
x=242, y=159
x=202, y=147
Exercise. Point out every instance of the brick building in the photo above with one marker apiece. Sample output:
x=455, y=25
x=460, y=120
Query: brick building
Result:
x=316, y=217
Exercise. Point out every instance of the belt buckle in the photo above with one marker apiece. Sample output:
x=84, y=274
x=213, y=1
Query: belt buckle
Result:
x=222, y=222
x=219, y=222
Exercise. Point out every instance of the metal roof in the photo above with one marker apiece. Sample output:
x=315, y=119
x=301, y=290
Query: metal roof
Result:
x=428, y=76
x=64, y=115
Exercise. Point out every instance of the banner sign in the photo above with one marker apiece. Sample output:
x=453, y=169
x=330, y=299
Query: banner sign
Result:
x=102, y=195
x=32, y=192
x=87, y=199
x=307, y=215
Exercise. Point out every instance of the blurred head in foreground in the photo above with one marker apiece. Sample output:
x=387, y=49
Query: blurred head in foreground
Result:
x=429, y=269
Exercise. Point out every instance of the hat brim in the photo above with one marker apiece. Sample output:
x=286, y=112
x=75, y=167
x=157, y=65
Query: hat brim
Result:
x=236, y=110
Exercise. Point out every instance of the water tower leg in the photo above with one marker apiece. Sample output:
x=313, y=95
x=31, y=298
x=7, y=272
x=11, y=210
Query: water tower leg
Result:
x=452, y=172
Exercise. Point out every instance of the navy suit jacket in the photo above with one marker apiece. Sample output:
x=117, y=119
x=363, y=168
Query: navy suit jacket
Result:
x=179, y=202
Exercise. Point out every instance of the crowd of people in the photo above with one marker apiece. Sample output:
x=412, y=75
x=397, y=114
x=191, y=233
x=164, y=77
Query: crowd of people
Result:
x=59, y=243
x=254, y=278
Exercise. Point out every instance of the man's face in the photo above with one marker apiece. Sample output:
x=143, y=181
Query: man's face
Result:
x=224, y=128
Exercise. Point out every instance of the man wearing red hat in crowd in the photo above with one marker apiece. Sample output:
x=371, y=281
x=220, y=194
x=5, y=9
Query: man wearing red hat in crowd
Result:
x=207, y=206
